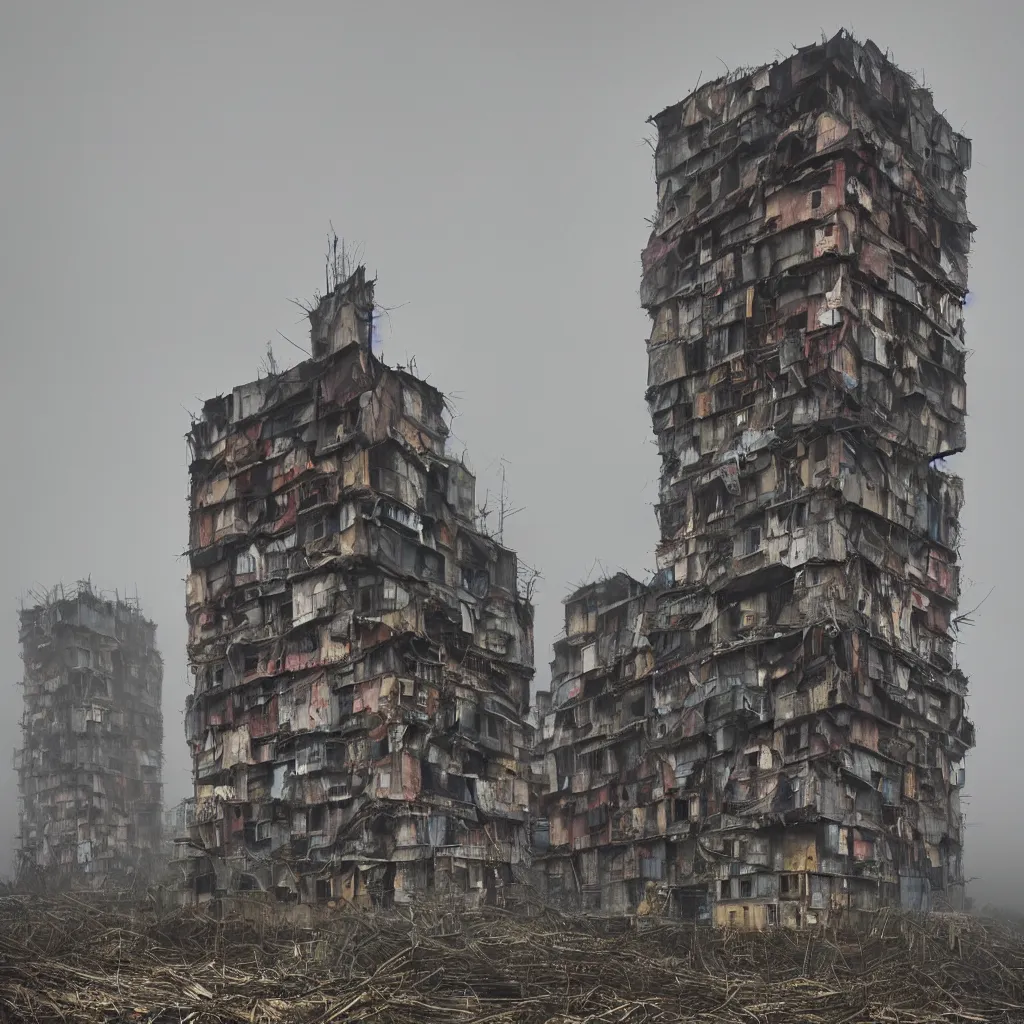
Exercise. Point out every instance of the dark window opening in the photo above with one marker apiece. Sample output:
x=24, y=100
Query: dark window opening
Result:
x=696, y=356
x=736, y=338
x=752, y=540
x=746, y=890
x=816, y=199
x=724, y=888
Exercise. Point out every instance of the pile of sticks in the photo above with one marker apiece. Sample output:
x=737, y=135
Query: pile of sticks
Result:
x=79, y=958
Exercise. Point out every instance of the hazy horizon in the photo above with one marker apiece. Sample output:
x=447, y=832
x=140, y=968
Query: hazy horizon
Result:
x=171, y=174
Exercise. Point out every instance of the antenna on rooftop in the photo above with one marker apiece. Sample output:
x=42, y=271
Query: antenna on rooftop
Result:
x=504, y=511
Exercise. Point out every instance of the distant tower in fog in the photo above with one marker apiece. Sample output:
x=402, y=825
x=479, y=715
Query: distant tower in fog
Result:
x=89, y=769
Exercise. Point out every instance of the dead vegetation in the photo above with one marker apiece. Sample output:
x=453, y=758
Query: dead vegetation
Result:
x=78, y=958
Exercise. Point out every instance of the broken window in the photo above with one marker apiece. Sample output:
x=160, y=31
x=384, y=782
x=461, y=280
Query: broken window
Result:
x=711, y=501
x=752, y=540
x=789, y=885
x=476, y=581
x=746, y=891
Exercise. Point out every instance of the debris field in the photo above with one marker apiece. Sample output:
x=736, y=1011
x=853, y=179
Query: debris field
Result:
x=81, y=958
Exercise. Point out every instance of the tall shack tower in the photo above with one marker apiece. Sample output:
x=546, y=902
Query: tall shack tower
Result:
x=805, y=280
x=89, y=770
x=361, y=649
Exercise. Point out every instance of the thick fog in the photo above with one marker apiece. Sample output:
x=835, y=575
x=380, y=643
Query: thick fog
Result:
x=169, y=173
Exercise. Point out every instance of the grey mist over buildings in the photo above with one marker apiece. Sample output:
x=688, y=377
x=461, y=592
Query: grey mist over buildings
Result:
x=168, y=174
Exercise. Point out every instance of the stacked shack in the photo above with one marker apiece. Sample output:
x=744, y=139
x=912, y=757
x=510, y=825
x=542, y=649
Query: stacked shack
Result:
x=597, y=847
x=361, y=651
x=800, y=745
x=89, y=768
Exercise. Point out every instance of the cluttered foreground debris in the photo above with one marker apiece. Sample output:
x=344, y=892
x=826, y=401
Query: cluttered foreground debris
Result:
x=80, y=958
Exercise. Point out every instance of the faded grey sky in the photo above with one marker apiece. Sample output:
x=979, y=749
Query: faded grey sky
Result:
x=168, y=173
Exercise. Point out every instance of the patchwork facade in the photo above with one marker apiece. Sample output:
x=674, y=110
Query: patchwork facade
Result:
x=362, y=650
x=599, y=815
x=89, y=769
x=800, y=734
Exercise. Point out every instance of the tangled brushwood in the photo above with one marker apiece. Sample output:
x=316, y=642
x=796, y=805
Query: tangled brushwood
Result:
x=77, y=958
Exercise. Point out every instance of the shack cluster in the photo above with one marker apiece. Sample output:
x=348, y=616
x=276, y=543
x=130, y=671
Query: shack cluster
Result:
x=772, y=729
x=362, y=654
x=777, y=731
